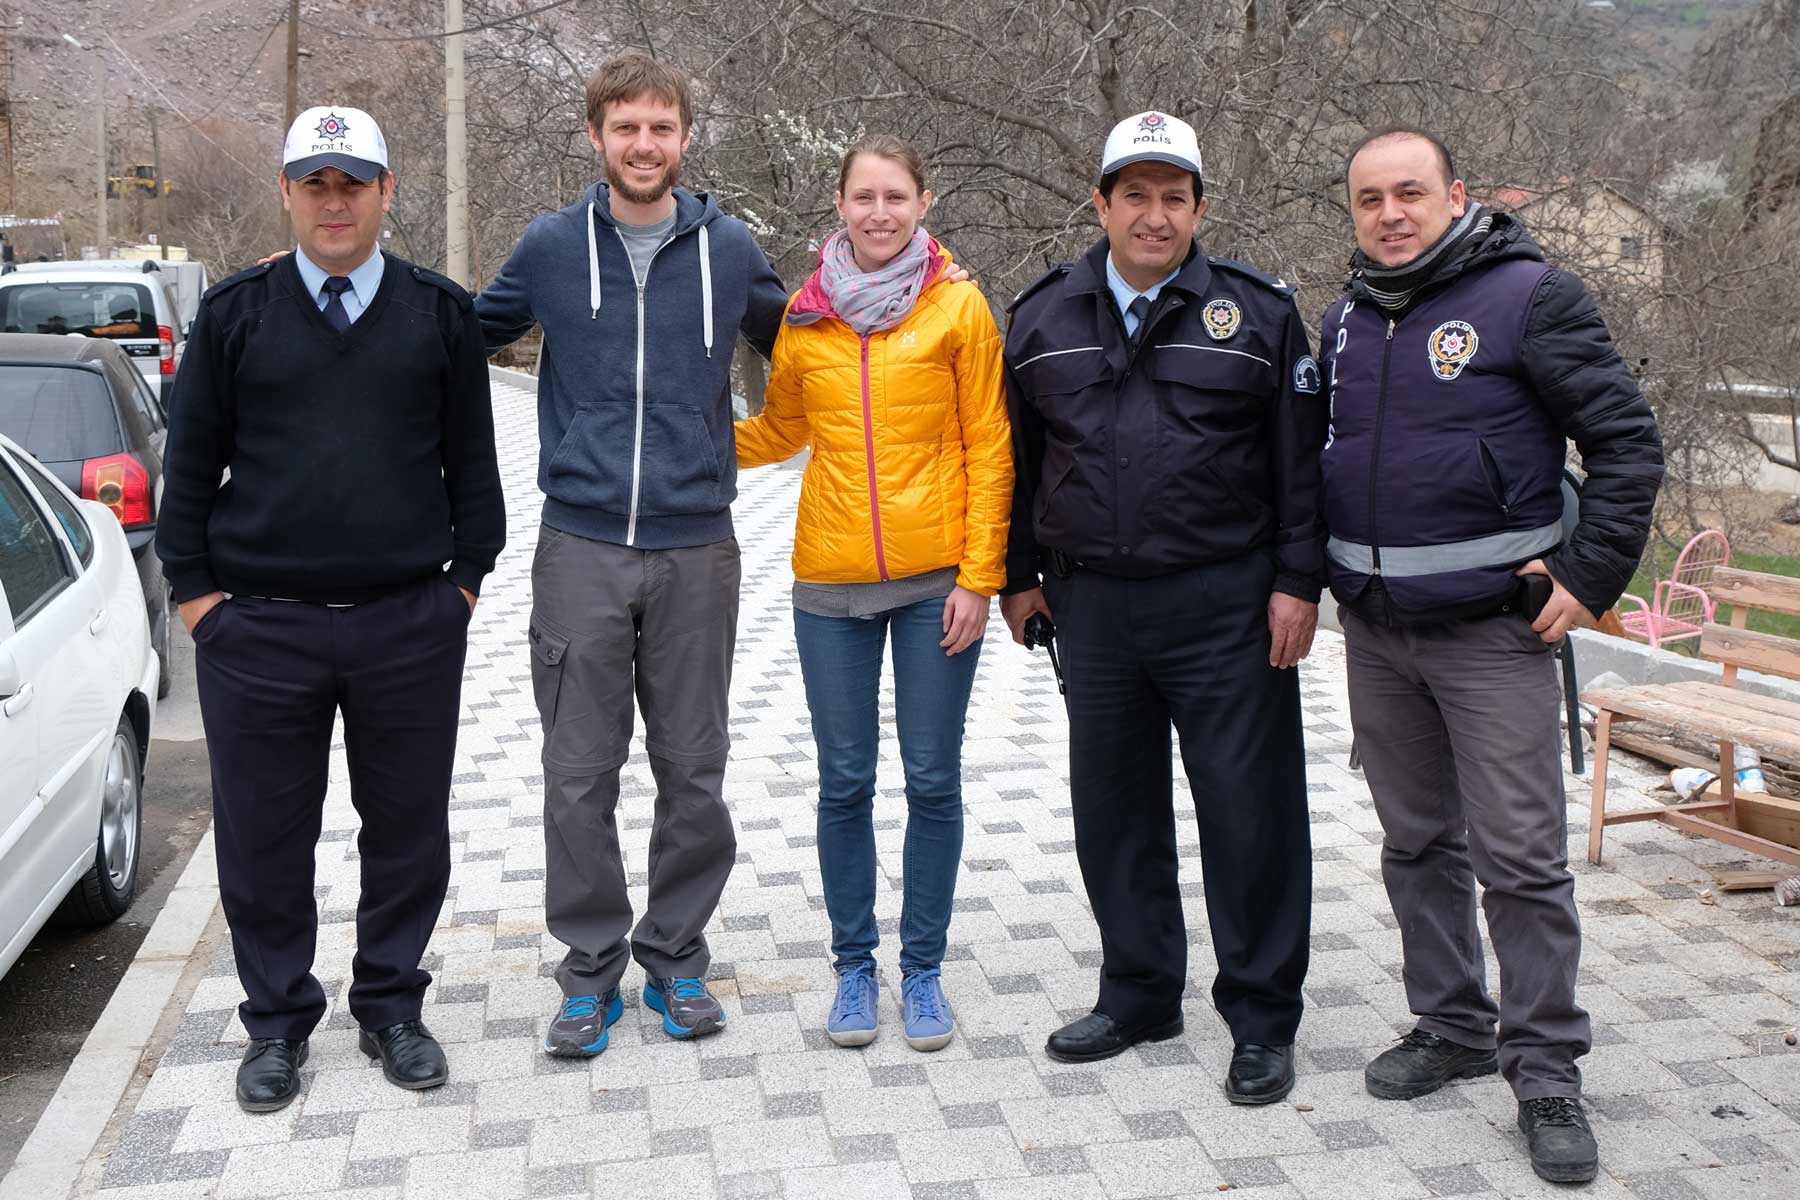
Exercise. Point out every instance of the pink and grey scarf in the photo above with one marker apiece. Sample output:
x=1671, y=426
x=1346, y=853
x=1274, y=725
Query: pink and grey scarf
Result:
x=867, y=301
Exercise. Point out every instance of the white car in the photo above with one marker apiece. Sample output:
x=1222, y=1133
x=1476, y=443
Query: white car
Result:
x=77, y=673
x=134, y=303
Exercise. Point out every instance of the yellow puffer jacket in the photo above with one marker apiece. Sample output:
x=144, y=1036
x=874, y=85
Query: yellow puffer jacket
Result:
x=911, y=467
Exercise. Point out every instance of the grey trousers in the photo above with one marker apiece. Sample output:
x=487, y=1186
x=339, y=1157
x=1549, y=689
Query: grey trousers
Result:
x=608, y=622
x=1457, y=727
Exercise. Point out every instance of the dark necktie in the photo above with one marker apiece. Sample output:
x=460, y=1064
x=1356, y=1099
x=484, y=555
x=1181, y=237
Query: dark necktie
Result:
x=1139, y=308
x=336, y=315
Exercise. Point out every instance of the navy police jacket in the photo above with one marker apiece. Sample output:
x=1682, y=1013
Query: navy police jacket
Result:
x=1198, y=442
x=1443, y=462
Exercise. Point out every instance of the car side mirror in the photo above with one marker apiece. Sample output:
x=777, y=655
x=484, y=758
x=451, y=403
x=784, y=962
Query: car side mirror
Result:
x=10, y=683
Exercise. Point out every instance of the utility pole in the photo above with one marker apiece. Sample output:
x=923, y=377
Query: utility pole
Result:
x=293, y=65
x=99, y=142
x=162, y=190
x=456, y=150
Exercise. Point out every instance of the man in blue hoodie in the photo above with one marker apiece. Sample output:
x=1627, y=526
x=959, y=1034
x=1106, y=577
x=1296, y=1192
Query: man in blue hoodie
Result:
x=635, y=583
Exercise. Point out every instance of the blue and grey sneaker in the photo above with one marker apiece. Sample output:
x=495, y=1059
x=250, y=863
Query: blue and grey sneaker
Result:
x=579, y=1028
x=929, y=1022
x=687, y=1008
x=852, y=1019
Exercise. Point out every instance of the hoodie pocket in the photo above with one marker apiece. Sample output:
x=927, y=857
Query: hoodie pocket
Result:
x=592, y=464
x=680, y=469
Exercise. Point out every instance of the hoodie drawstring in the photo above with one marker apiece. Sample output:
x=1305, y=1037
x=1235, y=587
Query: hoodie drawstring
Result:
x=594, y=267
x=706, y=322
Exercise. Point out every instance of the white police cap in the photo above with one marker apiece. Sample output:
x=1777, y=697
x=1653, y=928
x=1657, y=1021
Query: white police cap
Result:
x=330, y=136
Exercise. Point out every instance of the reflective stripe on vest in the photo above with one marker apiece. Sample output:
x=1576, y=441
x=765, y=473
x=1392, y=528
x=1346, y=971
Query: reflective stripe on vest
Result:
x=1495, y=550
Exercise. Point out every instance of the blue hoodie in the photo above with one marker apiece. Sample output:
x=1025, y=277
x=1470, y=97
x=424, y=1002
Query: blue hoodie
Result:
x=634, y=396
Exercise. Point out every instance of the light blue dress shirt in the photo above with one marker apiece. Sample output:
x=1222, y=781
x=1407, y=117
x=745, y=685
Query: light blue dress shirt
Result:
x=1124, y=293
x=358, y=296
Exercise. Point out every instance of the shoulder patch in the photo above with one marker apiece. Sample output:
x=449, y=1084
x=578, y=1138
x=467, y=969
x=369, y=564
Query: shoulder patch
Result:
x=1279, y=286
x=1056, y=272
x=231, y=281
x=456, y=290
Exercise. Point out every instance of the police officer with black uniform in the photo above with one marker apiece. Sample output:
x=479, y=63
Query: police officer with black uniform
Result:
x=334, y=571
x=1167, y=422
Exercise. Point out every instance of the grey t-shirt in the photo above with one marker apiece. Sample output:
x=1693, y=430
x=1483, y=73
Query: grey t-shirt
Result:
x=863, y=600
x=643, y=241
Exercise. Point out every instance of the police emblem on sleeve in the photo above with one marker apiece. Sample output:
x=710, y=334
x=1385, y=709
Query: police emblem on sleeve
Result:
x=1306, y=375
x=1452, y=345
x=1222, y=318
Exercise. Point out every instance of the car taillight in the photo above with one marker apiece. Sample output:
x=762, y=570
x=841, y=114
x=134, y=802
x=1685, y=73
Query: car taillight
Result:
x=166, y=336
x=120, y=482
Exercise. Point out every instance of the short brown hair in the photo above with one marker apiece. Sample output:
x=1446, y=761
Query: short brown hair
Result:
x=632, y=75
x=884, y=145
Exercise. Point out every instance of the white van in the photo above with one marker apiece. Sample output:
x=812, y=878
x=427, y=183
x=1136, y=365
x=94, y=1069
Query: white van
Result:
x=129, y=302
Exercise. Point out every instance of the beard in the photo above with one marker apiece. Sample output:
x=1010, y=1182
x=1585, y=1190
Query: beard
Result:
x=648, y=195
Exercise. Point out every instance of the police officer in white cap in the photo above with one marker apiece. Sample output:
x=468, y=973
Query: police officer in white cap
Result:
x=335, y=571
x=1167, y=422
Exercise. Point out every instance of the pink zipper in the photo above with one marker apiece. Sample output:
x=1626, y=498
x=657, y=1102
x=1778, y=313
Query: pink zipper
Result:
x=869, y=452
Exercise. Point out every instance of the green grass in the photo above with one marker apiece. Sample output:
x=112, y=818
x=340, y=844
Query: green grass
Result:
x=1655, y=567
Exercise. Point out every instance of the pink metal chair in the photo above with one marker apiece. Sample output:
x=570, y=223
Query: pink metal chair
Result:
x=1680, y=604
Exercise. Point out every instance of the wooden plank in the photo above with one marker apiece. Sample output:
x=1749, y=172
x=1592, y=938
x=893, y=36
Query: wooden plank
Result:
x=1747, y=881
x=1734, y=837
x=1769, y=817
x=1755, y=589
x=1765, y=652
x=1667, y=753
x=1711, y=712
x=1656, y=814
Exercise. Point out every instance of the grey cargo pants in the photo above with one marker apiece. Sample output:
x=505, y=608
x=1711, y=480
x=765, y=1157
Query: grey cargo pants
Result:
x=608, y=621
x=1457, y=727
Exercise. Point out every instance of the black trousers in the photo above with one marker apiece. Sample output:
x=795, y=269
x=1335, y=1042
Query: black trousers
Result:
x=1189, y=650
x=272, y=677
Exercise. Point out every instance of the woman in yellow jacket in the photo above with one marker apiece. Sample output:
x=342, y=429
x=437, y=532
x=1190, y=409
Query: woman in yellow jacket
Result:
x=892, y=374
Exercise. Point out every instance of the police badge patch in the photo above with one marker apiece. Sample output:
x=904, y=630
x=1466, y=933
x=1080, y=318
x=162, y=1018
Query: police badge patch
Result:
x=1452, y=345
x=1306, y=375
x=333, y=126
x=1222, y=318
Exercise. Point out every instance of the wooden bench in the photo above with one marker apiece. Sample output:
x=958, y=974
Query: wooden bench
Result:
x=1718, y=712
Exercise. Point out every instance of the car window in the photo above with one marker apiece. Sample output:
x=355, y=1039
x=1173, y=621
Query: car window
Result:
x=101, y=308
x=149, y=403
x=58, y=413
x=67, y=515
x=128, y=385
x=32, y=566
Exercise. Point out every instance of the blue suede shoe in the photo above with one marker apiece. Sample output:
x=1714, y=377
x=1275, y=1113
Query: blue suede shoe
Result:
x=579, y=1028
x=929, y=1023
x=852, y=1019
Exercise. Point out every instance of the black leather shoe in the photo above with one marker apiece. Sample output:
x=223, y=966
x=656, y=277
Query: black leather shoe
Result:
x=410, y=1057
x=1097, y=1036
x=269, y=1076
x=1421, y=1064
x=1259, y=1074
x=1562, y=1144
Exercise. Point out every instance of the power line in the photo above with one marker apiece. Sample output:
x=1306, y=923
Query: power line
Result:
x=432, y=37
x=173, y=108
x=231, y=91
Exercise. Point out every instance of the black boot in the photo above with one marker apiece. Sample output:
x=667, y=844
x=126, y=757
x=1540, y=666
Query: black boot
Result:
x=1562, y=1145
x=1259, y=1074
x=1421, y=1064
x=410, y=1057
x=269, y=1076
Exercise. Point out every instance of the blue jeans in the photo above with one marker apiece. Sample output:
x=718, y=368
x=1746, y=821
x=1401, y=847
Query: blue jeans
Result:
x=840, y=658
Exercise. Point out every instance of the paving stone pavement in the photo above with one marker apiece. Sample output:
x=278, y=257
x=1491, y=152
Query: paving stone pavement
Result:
x=1692, y=1091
